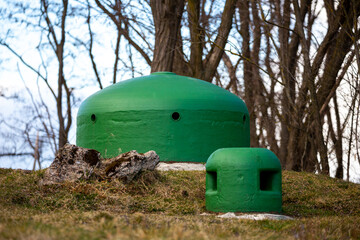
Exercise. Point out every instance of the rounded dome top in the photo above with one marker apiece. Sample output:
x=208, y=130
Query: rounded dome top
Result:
x=242, y=158
x=162, y=91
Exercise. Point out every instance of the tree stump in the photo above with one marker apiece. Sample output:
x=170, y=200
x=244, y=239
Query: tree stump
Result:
x=72, y=163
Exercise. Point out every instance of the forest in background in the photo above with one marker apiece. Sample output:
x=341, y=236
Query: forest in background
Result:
x=295, y=63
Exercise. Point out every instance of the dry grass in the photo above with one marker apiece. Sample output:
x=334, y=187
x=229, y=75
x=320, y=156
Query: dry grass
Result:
x=306, y=194
x=167, y=205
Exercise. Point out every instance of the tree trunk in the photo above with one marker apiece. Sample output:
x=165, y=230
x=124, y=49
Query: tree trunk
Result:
x=167, y=16
x=197, y=38
x=249, y=84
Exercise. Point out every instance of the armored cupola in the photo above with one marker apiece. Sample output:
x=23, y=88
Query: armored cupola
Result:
x=183, y=119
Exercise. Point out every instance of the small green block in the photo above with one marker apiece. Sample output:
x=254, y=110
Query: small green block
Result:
x=243, y=180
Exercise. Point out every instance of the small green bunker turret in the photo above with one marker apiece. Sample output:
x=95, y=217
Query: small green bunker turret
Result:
x=243, y=180
x=181, y=118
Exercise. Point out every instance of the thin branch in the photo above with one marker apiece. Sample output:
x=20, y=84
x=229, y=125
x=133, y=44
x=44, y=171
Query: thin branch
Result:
x=30, y=67
x=88, y=21
x=117, y=49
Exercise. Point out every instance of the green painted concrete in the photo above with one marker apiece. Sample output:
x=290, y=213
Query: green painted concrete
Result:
x=243, y=180
x=138, y=114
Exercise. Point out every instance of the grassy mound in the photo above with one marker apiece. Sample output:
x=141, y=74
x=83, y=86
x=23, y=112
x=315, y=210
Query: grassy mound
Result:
x=168, y=205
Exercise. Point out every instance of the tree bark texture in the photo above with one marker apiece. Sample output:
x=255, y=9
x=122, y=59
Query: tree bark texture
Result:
x=167, y=15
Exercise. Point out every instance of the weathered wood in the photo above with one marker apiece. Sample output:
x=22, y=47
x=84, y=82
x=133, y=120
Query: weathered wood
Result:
x=73, y=163
x=127, y=165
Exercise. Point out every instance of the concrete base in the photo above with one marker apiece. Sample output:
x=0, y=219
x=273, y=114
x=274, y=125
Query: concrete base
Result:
x=256, y=216
x=163, y=166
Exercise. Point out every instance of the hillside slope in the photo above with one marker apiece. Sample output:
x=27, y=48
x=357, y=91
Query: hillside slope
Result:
x=162, y=205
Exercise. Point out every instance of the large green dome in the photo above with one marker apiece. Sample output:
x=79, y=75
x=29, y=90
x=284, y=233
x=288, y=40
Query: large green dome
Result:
x=162, y=91
x=181, y=118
